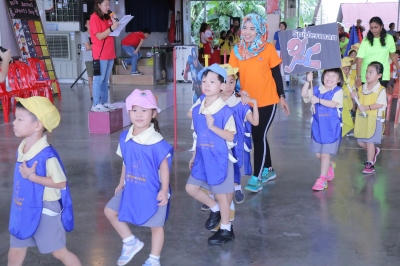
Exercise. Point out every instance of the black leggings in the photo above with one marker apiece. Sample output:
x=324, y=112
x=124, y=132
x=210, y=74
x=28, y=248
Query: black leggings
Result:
x=262, y=156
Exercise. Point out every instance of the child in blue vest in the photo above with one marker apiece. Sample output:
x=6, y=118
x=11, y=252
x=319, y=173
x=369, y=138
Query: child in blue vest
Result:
x=244, y=118
x=41, y=206
x=326, y=131
x=142, y=195
x=212, y=162
x=368, y=128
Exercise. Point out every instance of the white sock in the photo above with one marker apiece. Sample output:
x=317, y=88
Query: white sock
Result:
x=154, y=257
x=211, y=196
x=238, y=187
x=226, y=226
x=215, y=208
x=128, y=239
x=232, y=206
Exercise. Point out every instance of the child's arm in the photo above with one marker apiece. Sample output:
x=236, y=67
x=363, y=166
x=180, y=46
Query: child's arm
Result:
x=226, y=135
x=192, y=160
x=252, y=117
x=374, y=106
x=304, y=90
x=121, y=179
x=164, y=175
x=30, y=174
x=327, y=103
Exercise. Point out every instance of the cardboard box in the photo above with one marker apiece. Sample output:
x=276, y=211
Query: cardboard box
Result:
x=126, y=121
x=105, y=122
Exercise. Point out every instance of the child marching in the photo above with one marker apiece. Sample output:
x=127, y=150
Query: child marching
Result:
x=326, y=132
x=212, y=162
x=368, y=127
x=41, y=209
x=142, y=195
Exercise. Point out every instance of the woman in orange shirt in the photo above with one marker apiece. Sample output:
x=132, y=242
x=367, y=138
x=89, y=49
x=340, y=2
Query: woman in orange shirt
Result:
x=261, y=79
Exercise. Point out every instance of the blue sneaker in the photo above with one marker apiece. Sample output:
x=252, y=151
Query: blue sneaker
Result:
x=128, y=251
x=254, y=184
x=268, y=174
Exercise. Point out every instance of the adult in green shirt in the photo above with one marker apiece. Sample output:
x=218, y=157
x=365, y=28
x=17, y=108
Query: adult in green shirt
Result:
x=378, y=46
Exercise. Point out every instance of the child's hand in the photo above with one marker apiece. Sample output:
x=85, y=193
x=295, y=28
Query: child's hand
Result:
x=210, y=121
x=314, y=99
x=362, y=108
x=191, y=163
x=119, y=188
x=309, y=77
x=353, y=94
x=162, y=197
x=246, y=99
x=244, y=93
x=25, y=170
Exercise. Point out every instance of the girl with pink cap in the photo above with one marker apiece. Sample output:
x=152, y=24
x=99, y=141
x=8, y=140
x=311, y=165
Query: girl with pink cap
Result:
x=144, y=179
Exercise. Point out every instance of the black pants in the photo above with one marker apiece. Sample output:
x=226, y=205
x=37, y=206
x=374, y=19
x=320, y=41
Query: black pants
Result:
x=222, y=59
x=262, y=156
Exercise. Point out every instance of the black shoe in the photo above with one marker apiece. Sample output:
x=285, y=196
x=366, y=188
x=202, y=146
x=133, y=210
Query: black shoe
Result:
x=221, y=236
x=213, y=220
x=287, y=83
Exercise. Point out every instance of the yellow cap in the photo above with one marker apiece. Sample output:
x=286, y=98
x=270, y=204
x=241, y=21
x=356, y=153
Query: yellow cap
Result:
x=354, y=47
x=43, y=109
x=230, y=70
x=347, y=61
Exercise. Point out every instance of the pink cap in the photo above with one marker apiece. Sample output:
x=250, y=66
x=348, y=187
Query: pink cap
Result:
x=143, y=99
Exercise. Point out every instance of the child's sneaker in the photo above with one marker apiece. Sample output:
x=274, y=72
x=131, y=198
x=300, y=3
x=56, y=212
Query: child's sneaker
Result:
x=151, y=262
x=239, y=196
x=268, y=174
x=204, y=207
x=331, y=171
x=128, y=251
x=377, y=151
x=254, y=184
x=369, y=168
x=320, y=184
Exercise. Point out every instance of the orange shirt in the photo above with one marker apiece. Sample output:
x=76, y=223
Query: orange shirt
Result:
x=97, y=25
x=256, y=75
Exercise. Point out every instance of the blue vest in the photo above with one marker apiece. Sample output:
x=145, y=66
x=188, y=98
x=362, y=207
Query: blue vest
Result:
x=326, y=125
x=242, y=127
x=27, y=199
x=142, y=180
x=211, y=161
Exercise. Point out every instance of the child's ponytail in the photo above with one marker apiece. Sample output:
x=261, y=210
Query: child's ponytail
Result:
x=156, y=126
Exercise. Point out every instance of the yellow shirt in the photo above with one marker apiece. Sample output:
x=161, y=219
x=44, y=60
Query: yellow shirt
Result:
x=53, y=167
x=337, y=97
x=381, y=97
x=225, y=47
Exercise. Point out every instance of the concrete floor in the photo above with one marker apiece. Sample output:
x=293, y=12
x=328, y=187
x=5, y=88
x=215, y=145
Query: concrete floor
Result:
x=354, y=222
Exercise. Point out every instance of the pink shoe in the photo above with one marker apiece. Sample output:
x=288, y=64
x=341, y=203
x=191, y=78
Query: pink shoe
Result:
x=369, y=168
x=377, y=151
x=331, y=171
x=320, y=184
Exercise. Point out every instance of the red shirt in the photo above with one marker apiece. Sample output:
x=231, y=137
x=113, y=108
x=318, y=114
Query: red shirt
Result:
x=133, y=39
x=97, y=26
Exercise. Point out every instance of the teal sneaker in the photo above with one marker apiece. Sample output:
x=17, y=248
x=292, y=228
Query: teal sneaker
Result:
x=254, y=184
x=268, y=174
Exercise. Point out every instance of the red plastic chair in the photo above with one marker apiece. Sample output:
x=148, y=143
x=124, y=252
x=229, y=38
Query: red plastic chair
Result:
x=5, y=101
x=39, y=70
x=38, y=88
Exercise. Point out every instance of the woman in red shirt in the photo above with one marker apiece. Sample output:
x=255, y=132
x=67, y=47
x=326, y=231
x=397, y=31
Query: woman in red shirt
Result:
x=101, y=25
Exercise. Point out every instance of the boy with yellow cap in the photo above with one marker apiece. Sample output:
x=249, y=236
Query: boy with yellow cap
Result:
x=348, y=86
x=41, y=208
x=244, y=119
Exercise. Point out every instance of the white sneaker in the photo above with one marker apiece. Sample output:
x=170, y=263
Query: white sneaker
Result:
x=109, y=106
x=128, y=251
x=123, y=64
x=99, y=108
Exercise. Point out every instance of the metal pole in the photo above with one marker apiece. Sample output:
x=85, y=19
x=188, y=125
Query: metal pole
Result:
x=175, y=104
